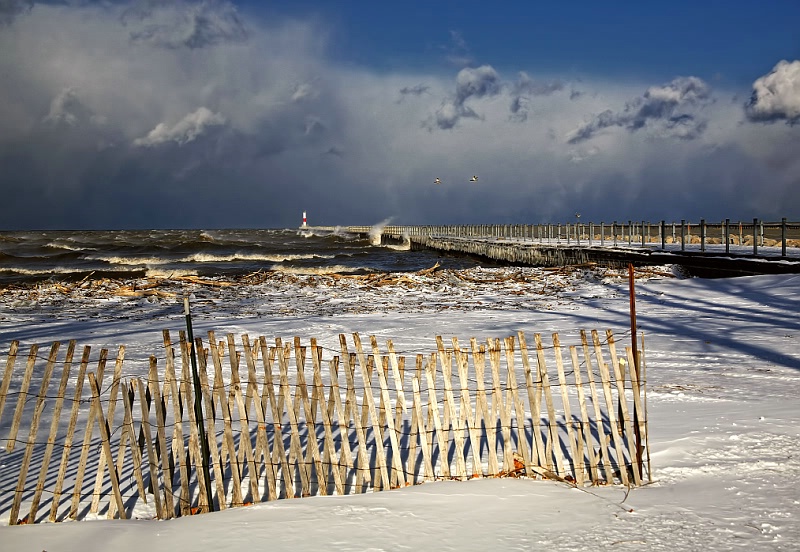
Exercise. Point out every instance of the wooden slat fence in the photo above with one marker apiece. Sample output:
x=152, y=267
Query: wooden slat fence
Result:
x=287, y=419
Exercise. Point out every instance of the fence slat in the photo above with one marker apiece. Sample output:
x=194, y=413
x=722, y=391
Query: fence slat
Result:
x=499, y=408
x=295, y=448
x=112, y=404
x=228, y=446
x=312, y=456
x=433, y=415
x=102, y=423
x=10, y=361
x=554, y=441
x=462, y=362
x=51, y=439
x=369, y=401
x=11, y=440
x=152, y=460
x=605, y=380
x=268, y=397
x=67, y=448
x=562, y=382
x=211, y=432
x=601, y=434
x=37, y=413
x=166, y=470
x=342, y=415
x=516, y=404
x=424, y=442
x=397, y=462
x=482, y=417
x=351, y=413
x=87, y=439
x=585, y=435
x=330, y=448
x=171, y=384
x=534, y=391
x=623, y=406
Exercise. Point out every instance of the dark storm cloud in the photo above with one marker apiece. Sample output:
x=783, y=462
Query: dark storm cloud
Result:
x=471, y=83
x=11, y=9
x=667, y=110
x=776, y=96
x=523, y=89
x=417, y=90
x=184, y=24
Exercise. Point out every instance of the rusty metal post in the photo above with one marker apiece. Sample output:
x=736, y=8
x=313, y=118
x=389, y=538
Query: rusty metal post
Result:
x=635, y=350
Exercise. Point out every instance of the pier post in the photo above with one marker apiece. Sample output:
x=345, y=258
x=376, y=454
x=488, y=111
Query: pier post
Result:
x=727, y=235
x=702, y=235
x=755, y=236
x=783, y=237
x=683, y=235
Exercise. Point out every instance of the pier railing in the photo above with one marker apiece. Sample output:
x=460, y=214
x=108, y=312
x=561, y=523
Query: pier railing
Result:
x=755, y=237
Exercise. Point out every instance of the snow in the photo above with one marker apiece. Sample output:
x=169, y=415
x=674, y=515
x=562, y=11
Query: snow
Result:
x=724, y=416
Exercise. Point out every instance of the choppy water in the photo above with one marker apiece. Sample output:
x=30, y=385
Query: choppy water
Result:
x=74, y=255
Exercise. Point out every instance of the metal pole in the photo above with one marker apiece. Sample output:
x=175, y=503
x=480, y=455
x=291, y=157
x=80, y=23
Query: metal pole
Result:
x=198, y=406
x=635, y=351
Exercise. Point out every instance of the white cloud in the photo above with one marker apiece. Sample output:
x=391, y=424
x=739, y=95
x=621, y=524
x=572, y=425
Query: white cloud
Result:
x=776, y=96
x=184, y=131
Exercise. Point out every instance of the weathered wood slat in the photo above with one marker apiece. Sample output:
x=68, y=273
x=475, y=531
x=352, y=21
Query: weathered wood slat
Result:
x=516, y=405
x=171, y=383
x=534, y=389
x=10, y=361
x=153, y=385
x=22, y=398
x=112, y=405
x=87, y=439
x=37, y=414
x=211, y=432
x=562, y=383
x=603, y=452
x=105, y=438
x=482, y=417
x=68, y=438
x=51, y=439
x=268, y=398
x=605, y=380
x=152, y=458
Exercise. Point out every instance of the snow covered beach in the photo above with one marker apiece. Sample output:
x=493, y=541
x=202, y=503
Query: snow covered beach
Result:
x=722, y=360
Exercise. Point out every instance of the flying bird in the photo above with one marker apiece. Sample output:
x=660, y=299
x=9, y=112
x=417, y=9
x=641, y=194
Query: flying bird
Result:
x=437, y=181
x=473, y=179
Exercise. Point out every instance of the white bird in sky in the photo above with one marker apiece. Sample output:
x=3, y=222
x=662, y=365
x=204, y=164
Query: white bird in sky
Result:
x=437, y=181
x=473, y=179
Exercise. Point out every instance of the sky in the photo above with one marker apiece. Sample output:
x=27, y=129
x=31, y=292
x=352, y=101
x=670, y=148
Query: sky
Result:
x=219, y=114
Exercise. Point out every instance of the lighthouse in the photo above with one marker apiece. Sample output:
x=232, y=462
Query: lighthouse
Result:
x=304, y=219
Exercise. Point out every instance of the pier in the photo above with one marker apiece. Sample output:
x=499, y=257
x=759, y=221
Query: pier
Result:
x=702, y=249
